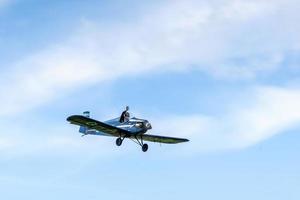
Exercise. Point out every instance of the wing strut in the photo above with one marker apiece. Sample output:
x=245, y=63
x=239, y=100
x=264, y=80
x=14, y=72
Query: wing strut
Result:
x=140, y=142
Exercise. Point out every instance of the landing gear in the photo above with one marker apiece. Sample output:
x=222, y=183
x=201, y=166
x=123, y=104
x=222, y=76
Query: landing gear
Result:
x=138, y=140
x=144, y=147
x=119, y=141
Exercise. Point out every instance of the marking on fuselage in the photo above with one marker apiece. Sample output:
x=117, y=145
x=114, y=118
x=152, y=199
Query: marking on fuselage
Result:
x=91, y=123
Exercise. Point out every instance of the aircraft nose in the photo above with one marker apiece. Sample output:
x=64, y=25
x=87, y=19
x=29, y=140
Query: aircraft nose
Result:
x=148, y=125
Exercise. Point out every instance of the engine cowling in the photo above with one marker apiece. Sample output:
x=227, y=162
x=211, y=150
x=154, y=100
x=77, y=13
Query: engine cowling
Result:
x=147, y=125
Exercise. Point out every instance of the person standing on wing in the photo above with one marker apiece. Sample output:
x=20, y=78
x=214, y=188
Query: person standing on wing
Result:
x=125, y=115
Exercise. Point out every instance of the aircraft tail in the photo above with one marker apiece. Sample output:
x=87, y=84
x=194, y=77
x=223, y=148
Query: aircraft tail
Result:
x=84, y=129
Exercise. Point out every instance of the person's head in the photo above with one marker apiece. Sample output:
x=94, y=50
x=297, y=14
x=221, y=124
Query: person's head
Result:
x=127, y=108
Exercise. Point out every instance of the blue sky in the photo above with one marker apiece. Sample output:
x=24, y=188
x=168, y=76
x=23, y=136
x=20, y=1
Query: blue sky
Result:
x=224, y=74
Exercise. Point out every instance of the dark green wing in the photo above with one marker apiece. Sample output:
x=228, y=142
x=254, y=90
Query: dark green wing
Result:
x=97, y=125
x=163, y=139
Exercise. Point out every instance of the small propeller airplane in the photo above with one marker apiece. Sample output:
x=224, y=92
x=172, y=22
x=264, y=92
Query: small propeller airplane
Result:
x=134, y=129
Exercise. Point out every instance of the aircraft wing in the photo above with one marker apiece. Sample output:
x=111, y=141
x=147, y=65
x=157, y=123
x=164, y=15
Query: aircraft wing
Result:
x=163, y=139
x=97, y=125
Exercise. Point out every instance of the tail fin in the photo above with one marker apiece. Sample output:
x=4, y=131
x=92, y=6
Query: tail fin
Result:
x=84, y=129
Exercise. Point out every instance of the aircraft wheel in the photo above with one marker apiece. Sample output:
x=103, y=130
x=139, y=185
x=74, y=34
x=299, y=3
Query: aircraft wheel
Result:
x=119, y=142
x=145, y=147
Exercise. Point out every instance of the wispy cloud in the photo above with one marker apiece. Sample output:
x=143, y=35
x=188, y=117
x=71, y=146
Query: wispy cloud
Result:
x=227, y=40
x=269, y=111
x=56, y=140
x=4, y=3
x=261, y=113
x=176, y=36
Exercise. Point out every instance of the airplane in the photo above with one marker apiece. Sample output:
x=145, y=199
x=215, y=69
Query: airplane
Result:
x=134, y=129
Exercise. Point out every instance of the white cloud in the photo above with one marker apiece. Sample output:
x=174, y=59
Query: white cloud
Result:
x=270, y=111
x=178, y=35
x=4, y=3
x=226, y=39
x=51, y=74
x=261, y=113
x=68, y=142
